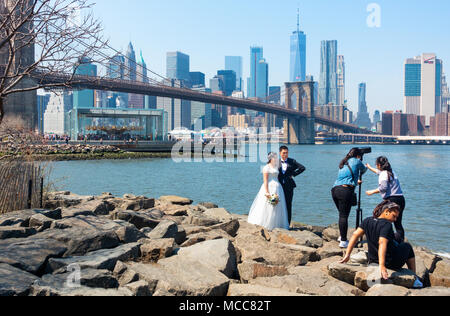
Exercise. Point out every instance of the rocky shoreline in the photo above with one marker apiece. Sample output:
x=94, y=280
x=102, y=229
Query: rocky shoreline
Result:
x=138, y=246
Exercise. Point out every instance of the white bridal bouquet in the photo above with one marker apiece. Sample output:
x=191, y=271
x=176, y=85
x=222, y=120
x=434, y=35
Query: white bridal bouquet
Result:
x=273, y=200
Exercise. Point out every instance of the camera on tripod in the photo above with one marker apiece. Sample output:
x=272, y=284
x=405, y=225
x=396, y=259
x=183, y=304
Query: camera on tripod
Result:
x=365, y=150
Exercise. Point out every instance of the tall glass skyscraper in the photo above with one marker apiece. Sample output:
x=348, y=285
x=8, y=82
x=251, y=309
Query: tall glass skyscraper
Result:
x=84, y=98
x=116, y=70
x=341, y=80
x=229, y=81
x=328, y=73
x=178, y=66
x=235, y=63
x=363, y=119
x=298, y=54
x=130, y=63
x=258, y=86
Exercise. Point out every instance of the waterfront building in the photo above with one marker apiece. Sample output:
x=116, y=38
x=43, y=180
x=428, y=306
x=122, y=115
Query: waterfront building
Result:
x=234, y=63
x=328, y=73
x=298, y=54
x=423, y=86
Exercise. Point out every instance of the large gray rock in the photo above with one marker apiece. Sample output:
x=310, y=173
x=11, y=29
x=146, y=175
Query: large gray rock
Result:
x=137, y=204
x=330, y=249
x=209, y=235
x=79, y=240
x=140, y=288
x=425, y=264
x=250, y=270
x=101, y=259
x=40, y=288
x=441, y=275
x=177, y=200
x=387, y=290
x=218, y=254
x=208, y=205
x=152, y=250
x=65, y=200
x=230, y=227
x=254, y=247
x=243, y=290
x=22, y=218
x=168, y=229
x=15, y=282
x=140, y=219
x=431, y=291
x=345, y=272
x=297, y=237
x=41, y=222
x=308, y=281
x=98, y=207
x=183, y=277
x=30, y=254
x=220, y=214
x=7, y=232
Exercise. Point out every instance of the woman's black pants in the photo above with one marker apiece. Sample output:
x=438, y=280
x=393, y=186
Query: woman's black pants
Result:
x=342, y=197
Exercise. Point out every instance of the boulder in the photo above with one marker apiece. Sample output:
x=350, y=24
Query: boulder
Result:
x=359, y=257
x=249, y=270
x=220, y=214
x=40, y=288
x=441, y=275
x=30, y=254
x=201, y=220
x=101, y=259
x=177, y=200
x=208, y=205
x=15, y=282
x=345, y=272
x=309, y=281
x=139, y=219
x=230, y=227
x=210, y=235
x=76, y=211
x=41, y=221
x=87, y=277
x=254, y=247
x=165, y=229
x=297, y=237
x=129, y=276
x=153, y=250
x=330, y=249
x=7, y=232
x=137, y=204
x=175, y=210
x=331, y=234
x=98, y=207
x=431, y=291
x=218, y=254
x=140, y=288
x=65, y=200
x=183, y=277
x=22, y=218
x=128, y=233
x=120, y=268
x=387, y=290
x=243, y=290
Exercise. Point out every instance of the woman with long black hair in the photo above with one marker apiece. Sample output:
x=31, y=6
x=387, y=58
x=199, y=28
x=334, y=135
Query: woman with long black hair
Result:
x=343, y=192
x=390, y=190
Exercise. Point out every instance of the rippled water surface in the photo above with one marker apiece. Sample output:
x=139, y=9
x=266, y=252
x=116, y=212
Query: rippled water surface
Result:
x=424, y=172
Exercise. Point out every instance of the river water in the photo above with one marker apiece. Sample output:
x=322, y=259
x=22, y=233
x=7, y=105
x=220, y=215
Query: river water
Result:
x=424, y=172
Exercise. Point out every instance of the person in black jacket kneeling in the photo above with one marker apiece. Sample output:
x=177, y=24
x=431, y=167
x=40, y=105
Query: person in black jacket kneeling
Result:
x=384, y=250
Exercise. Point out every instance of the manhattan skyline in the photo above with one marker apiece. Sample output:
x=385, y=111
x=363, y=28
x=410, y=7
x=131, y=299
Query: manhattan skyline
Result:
x=205, y=32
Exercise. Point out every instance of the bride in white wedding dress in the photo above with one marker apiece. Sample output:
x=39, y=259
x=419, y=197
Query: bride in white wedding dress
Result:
x=262, y=212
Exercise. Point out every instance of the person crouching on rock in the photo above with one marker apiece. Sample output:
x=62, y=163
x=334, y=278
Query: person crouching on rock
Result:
x=383, y=248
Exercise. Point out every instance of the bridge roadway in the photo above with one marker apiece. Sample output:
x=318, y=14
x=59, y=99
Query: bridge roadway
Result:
x=126, y=86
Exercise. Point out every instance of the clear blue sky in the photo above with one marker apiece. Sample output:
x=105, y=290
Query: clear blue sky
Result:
x=208, y=30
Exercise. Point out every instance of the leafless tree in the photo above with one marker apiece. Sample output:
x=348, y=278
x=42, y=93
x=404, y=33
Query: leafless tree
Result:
x=40, y=38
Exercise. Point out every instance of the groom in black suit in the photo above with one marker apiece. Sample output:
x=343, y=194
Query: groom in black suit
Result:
x=289, y=169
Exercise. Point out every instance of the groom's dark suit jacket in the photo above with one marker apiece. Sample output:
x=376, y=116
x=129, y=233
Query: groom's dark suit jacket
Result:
x=294, y=169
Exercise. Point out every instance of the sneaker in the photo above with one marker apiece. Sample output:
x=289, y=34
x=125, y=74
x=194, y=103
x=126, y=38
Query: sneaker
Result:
x=418, y=284
x=339, y=239
x=344, y=244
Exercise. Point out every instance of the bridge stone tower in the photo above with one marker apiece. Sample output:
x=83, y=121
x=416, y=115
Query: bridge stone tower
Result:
x=20, y=105
x=300, y=97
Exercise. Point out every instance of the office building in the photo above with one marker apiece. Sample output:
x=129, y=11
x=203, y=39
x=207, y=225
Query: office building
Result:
x=298, y=54
x=178, y=66
x=234, y=63
x=328, y=73
x=55, y=116
x=197, y=79
x=42, y=102
x=115, y=69
x=228, y=78
x=341, y=80
x=201, y=112
x=258, y=83
x=178, y=111
x=363, y=118
x=423, y=86
x=84, y=98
